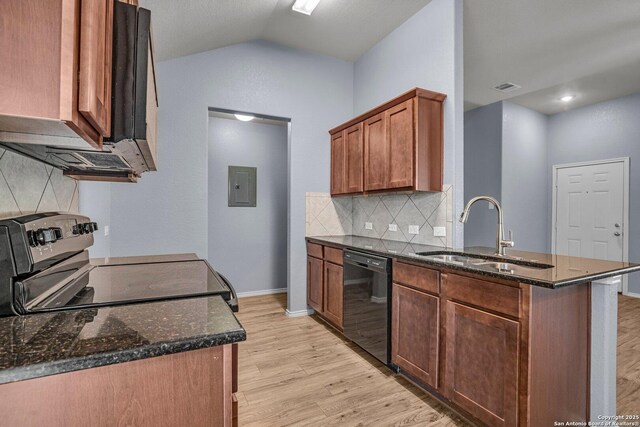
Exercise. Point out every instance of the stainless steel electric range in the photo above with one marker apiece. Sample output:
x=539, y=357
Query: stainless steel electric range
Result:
x=45, y=266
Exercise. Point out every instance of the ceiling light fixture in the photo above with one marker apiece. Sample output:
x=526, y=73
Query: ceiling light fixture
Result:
x=567, y=98
x=244, y=117
x=305, y=6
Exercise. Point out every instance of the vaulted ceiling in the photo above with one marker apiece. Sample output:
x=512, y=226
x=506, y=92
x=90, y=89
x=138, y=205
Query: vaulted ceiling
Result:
x=341, y=28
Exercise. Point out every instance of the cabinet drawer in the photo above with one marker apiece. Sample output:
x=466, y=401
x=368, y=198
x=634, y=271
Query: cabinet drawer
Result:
x=314, y=250
x=333, y=255
x=493, y=296
x=416, y=277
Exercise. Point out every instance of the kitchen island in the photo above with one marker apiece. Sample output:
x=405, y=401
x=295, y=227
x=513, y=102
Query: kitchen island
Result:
x=516, y=340
x=160, y=363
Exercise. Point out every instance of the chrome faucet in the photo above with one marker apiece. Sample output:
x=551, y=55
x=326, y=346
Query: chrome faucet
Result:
x=501, y=244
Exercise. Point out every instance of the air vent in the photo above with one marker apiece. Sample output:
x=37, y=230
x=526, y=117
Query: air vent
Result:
x=104, y=160
x=507, y=87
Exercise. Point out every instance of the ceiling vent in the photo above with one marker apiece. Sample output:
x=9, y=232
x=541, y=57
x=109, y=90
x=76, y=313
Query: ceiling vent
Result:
x=507, y=87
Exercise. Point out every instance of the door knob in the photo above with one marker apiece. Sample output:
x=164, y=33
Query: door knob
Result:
x=617, y=233
x=616, y=225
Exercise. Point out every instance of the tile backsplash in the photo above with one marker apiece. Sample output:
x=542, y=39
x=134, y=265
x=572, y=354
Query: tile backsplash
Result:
x=28, y=186
x=327, y=216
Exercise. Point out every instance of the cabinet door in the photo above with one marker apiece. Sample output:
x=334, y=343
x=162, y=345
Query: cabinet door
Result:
x=337, y=163
x=314, y=284
x=375, y=153
x=94, y=93
x=482, y=364
x=333, y=293
x=354, y=140
x=415, y=327
x=401, y=137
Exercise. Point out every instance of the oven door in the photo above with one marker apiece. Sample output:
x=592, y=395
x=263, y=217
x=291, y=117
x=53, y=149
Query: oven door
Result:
x=367, y=297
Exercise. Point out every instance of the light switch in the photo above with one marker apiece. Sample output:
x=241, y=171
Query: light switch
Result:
x=106, y=230
x=491, y=207
x=393, y=227
x=414, y=229
x=439, y=231
x=368, y=226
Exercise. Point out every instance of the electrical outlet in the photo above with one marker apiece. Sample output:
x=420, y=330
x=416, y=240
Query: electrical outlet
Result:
x=439, y=231
x=393, y=227
x=368, y=226
x=414, y=229
x=106, y=230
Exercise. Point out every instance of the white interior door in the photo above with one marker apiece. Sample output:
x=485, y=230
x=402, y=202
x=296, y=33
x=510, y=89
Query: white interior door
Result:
x=590, y=211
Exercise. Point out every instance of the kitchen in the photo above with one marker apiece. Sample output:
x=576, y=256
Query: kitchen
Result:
x=424, y=147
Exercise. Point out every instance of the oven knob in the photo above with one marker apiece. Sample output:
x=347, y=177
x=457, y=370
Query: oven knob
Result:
x=31, y=238
x=90, y=227
x=77, y=229
x=43, y=236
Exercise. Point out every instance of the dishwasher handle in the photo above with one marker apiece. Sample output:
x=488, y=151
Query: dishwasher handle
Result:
x=365, y=260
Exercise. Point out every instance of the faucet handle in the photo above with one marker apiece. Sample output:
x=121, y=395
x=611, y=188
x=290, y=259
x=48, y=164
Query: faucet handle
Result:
x=508, y=243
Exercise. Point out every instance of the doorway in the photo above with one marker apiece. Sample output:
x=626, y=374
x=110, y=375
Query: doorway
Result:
x=591, y=211
x=247, y=227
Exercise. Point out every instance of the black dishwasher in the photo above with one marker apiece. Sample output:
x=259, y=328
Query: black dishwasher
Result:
x=367, y=299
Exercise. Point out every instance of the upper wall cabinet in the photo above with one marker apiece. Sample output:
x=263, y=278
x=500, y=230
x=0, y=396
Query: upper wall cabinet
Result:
x=48, y=73
x=397, y=146
x=77, y=86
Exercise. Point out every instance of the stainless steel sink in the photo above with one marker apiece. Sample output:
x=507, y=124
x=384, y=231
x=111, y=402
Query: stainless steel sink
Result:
x=453, y=258
x=498, y=263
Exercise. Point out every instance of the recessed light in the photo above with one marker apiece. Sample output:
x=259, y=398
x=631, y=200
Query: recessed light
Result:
x=567, y=98
x=244, y=117
x=305, y=6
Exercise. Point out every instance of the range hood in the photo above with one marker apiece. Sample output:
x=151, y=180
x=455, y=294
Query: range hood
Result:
x=131, y=148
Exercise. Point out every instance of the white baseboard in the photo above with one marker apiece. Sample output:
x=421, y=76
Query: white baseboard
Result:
x=632, y=294
x=263, y=292
x=299, y=313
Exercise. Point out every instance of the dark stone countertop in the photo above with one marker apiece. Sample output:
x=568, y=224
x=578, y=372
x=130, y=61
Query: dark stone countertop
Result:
x=38, y=345
x=563, y=271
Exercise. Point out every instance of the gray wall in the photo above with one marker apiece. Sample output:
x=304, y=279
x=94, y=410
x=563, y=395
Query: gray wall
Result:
x=95, y=202
x=425, y=51
x=167, y=211
x=482, y=170
x=525, y=181
x=606, y=130
x=249, y=245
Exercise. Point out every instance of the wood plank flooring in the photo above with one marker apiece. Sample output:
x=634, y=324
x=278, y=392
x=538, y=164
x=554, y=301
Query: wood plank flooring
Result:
x=628, y=364
x=298, y=372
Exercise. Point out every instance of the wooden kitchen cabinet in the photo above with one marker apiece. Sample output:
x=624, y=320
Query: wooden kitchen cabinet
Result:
x=354, y=159
x=333, y=302
x=482, y=364
x=338, y=181
x=54, y=62
x=96, y=37
x=403, y=145
x=315, y=284
x=400, y=139
x=415, y=329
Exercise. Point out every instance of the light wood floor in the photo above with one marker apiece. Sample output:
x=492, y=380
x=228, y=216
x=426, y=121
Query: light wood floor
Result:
x=298, y=372
x=628, y=368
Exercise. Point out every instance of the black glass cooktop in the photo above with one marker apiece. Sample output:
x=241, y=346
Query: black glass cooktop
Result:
x=89, y=285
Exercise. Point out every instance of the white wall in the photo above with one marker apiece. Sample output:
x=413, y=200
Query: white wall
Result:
x=248, y=244
x=426, y=52
x=167, y=211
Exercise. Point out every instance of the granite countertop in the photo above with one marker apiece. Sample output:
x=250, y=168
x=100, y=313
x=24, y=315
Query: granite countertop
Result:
x=562, y=271
x=44, y=344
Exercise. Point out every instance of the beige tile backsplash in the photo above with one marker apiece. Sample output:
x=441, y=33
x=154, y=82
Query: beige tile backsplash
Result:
x=327, y=216
x=28, y=186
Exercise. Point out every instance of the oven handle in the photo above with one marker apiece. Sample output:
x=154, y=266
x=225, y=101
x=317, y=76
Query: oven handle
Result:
x=233, y=302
